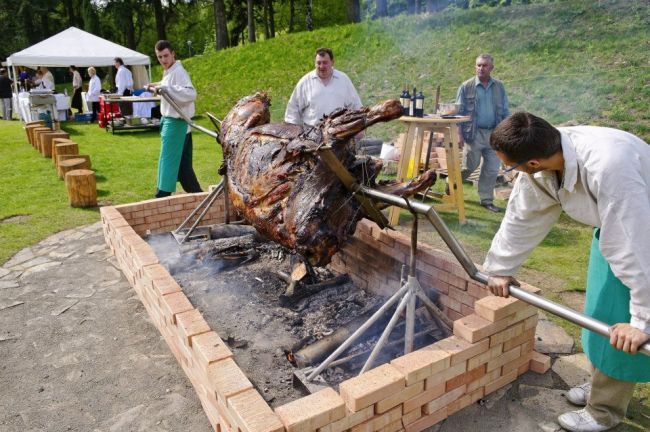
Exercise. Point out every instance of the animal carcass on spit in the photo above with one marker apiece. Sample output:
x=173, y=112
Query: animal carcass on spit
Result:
x=279, y=184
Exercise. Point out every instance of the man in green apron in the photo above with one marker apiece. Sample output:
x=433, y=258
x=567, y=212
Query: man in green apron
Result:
x=600, y=177
x=175, y=163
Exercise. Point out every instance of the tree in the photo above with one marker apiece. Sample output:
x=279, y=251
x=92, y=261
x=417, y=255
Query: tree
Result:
x=220, y=25
x=292, y=15
x=251, y=21
x=269, y=19
x=382, y=8
x=354, y=11
x=90, y=17
x=160, y=20
x=309, y=21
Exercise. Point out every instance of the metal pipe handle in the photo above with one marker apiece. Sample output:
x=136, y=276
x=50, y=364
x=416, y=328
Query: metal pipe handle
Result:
x=455, y=247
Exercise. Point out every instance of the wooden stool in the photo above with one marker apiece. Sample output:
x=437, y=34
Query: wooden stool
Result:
x=56, y=141
x=71, y=164
x=82, y=188
x=29, y=127
x=77, y=156
x=66, y=148
x=36, y=132
x=46, y=142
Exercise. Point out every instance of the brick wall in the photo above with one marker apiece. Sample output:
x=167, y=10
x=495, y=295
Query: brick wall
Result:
x=492, y=342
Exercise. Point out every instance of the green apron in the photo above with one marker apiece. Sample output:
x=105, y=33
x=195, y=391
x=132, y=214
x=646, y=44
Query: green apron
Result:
x=172, y=134
x=608, y=300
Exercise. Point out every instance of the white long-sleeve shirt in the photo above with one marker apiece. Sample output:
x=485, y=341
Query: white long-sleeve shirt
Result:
x=123, y=80
x=606, y=184
x=176, y=81
x=311, y=99
x=76, y=80
x=47, y=81
x=94, y=88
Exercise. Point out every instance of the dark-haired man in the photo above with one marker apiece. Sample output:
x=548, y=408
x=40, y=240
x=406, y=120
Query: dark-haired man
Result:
x=5, y=94
x=175, y=163
x=124, y=84
x=320, y=92
x=600, y=177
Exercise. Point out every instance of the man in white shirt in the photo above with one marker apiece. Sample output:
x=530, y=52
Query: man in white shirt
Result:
x=600, y=177
x=124, y=84
x=320, y=92
x=175, y=162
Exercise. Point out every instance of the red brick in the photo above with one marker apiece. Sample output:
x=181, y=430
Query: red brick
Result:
x=500, y=382
x=473, y=328
x=507, y=334
x=460, y=349
x=421, y=364
x=485, y=357
x=540, y=363
x=351, y=419
x=173, y=304
x=371, y=387
x=465, y=401
x=227, y=379
x=431, y=393
x=396, y=399
x=444, y=400
x=189, y=324
x=411, y=416
x=526, y=336
x=466, y=378
x=209, y=348
x=379, y=421
x=444, y=376
x=252, y=414
x=504, y=358
x=427, y=421
x=312, y=412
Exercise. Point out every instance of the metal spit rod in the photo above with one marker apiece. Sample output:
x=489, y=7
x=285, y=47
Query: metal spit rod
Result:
x=569, y=314
x=189, y=121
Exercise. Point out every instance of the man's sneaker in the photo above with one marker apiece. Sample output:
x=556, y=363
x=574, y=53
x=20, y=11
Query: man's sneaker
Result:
x=580, y=421
x=579, y=395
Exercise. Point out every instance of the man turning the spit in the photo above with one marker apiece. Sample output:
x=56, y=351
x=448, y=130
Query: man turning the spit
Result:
x=484, y=99
x=320, y=92
x=175, y=161
x=600, y=177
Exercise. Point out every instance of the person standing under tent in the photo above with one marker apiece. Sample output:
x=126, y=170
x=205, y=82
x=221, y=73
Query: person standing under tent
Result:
x=94, y=89
x=124, y=84
x=76, y=102
x=5, y=94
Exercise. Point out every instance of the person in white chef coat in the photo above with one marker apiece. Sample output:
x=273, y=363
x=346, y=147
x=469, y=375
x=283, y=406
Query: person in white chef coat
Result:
x=600, y=177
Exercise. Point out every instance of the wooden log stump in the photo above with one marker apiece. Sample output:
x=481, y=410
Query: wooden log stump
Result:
x=36, y=133
x=78, y=156
x=67, y=148
x=82, y=188
x=29, y=127
x=56, y=141
x=46, y=141
x=66, y=166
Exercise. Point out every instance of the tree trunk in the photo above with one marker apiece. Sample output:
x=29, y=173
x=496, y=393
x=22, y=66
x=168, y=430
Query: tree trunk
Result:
x=160, y=20
x=292, y=15
x=436, y=5
x=82, y=188
x=309, y=21
x=251, y=21
x=271, y=18
x=382, y=8
x=265, y=18
x=410, y=6
x=220, y=25
x=354, y=11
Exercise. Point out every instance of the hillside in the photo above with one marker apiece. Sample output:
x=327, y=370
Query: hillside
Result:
x=571, y=60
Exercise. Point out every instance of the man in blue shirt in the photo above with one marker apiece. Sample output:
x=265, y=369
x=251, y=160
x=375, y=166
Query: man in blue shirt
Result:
x=484, y=99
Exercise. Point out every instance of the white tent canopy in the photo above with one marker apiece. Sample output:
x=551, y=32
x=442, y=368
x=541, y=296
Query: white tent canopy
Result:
x=75, y=47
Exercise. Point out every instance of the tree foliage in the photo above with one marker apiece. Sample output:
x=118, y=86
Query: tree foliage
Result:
x=196, y=26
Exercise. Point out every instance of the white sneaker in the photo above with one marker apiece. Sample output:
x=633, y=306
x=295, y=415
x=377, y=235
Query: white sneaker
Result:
x=580, y=421
x=579, y=395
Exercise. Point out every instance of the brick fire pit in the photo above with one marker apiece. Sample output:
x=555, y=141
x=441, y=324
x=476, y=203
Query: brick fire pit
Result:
x=492, y=342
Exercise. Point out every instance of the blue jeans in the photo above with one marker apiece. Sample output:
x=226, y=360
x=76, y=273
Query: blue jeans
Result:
x=472, y=154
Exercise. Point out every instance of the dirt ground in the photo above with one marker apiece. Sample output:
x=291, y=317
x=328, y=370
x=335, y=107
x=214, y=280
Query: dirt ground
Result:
x=77, y=349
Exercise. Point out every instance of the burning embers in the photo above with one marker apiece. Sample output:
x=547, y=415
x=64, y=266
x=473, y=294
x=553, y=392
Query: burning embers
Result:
x=276, y=313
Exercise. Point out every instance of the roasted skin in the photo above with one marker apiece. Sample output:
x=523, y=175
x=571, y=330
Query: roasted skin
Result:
x=279, y=184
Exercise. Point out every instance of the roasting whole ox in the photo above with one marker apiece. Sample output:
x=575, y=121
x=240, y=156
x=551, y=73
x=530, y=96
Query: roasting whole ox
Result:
x=278, y=182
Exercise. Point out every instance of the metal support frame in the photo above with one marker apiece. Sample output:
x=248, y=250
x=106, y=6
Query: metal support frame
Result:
x=455, y=247
x=407, y=295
